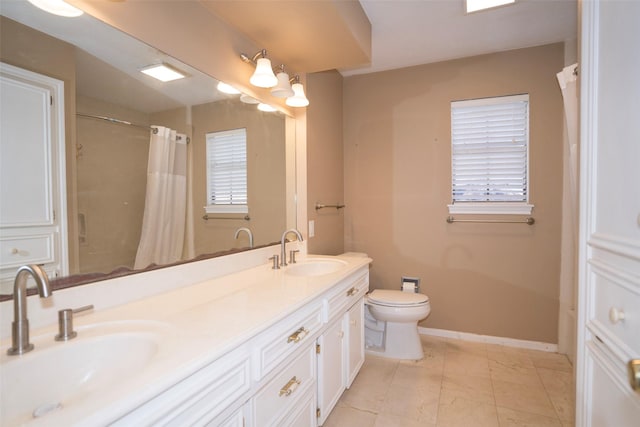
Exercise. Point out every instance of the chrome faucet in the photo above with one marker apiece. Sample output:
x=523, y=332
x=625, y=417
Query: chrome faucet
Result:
x=249, y=233
x=20, y=327
x=283, y=242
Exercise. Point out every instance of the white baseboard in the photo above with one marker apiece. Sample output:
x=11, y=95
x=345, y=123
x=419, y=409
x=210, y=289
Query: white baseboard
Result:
x=509, y=342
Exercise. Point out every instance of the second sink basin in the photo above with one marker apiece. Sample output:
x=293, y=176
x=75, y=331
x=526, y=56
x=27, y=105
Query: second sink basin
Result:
x=55, y=376
x=315, y=267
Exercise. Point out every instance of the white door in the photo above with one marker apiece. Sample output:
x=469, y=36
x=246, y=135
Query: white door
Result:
x=609, y=265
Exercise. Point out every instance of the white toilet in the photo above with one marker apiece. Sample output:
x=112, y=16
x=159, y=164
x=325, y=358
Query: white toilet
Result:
x=391, y=323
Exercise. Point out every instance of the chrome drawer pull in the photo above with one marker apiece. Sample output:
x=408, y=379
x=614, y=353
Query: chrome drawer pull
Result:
x=290, y=387
x=297, y=335
x=352, y=292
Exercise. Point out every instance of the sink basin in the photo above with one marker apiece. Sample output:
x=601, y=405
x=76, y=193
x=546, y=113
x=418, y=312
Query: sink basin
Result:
x=315, y=267
x=58, y=375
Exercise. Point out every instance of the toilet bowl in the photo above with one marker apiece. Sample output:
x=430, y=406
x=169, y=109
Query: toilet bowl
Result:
x=396, y=313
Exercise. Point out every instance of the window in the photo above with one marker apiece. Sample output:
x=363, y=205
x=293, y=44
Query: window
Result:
x=489, y=155
x=227, y=171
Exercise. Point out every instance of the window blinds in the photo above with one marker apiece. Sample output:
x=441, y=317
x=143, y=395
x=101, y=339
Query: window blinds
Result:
x=227, y=167
x=489, y=143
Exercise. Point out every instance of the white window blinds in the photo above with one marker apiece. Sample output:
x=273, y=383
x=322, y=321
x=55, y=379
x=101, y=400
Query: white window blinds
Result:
x=227, y=171
x=489, y=146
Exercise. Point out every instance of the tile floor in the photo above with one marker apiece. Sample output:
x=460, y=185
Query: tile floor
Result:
x=460, y=383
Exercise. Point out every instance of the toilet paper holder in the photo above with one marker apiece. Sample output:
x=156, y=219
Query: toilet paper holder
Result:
x=410, y=284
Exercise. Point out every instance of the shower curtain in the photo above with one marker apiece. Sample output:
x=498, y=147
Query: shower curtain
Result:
x=163, y=224
x=568, y=274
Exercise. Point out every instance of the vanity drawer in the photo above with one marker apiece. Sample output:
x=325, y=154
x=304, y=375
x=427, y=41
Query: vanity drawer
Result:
x=616, y=294
x=304, y=413
x=284, y=338
x=345, y=296
x=199, y=398
x=21, y=250
x=281, y=395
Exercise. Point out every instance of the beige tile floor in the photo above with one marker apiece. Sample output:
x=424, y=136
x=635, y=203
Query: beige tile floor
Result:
x=460, y=383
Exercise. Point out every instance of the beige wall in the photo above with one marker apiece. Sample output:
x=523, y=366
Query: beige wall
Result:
x=266, y=174
x=23, y=47
x=325, y=178
x=493, y=279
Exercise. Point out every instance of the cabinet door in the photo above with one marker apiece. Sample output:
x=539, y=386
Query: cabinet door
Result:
x=330, y=368
x=354, y=350
x=27, y=192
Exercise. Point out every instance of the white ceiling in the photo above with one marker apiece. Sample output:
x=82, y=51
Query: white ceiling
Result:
x=413, y=32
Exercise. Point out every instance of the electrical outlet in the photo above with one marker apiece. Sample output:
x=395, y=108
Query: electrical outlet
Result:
x=312, y=228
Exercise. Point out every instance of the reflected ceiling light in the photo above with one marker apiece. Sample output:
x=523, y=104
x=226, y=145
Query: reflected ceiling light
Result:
x=248, y=99
x=476, y=5
x=57, y=7
x=263, y=76
x=298, y=99
x=283, y=88
x=266, y=108
x=163, y=72
x=228, y=89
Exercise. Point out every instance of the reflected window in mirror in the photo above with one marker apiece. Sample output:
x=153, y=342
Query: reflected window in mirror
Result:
x=227, y=171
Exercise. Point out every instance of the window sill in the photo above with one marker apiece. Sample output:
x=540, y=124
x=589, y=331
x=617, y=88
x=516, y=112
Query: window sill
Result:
x=491, y=208
x=226, y=209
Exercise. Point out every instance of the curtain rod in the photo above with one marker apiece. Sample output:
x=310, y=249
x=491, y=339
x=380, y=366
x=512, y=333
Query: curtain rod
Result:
x=121, y=122
x=112, y=120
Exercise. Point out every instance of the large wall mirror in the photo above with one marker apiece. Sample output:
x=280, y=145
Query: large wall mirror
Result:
x=107, y=159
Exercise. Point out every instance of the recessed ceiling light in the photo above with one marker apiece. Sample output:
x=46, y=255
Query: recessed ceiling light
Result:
x=164, y=72
x=57, y=7
x=476, y=5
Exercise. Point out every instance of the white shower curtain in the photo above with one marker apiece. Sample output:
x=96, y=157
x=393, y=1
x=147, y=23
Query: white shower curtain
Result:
x=163, y=224
x=568, y=274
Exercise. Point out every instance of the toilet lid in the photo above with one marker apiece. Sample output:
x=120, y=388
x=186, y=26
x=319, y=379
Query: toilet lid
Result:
x=386, y=296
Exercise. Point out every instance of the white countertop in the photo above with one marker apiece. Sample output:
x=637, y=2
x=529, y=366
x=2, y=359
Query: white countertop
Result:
x=198, y=324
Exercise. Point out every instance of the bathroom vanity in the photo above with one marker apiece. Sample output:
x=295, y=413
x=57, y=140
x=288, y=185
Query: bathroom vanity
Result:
x=258, y=347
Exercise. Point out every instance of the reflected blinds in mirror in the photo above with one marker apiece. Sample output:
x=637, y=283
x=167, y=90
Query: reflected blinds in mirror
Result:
x=227, y=171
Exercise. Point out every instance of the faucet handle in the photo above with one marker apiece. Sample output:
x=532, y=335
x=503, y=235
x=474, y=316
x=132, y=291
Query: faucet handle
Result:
x=276, y=262
x=65, y=322
x=292, y=256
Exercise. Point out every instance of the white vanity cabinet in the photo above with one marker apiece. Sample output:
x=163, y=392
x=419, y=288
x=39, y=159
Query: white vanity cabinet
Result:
x=291, y=373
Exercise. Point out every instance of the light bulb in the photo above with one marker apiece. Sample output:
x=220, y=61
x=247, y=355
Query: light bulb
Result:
x=283, y=88
x=298, y=99
x=263, y=76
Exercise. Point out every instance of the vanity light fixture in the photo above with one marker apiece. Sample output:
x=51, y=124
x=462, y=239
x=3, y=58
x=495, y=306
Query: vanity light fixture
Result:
x=163, y=72
x=227, y=88
x=476, y=5
x=283, y=88
x=282, y=84
x=298, y=99
x=263, y=76
x=57, y=7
